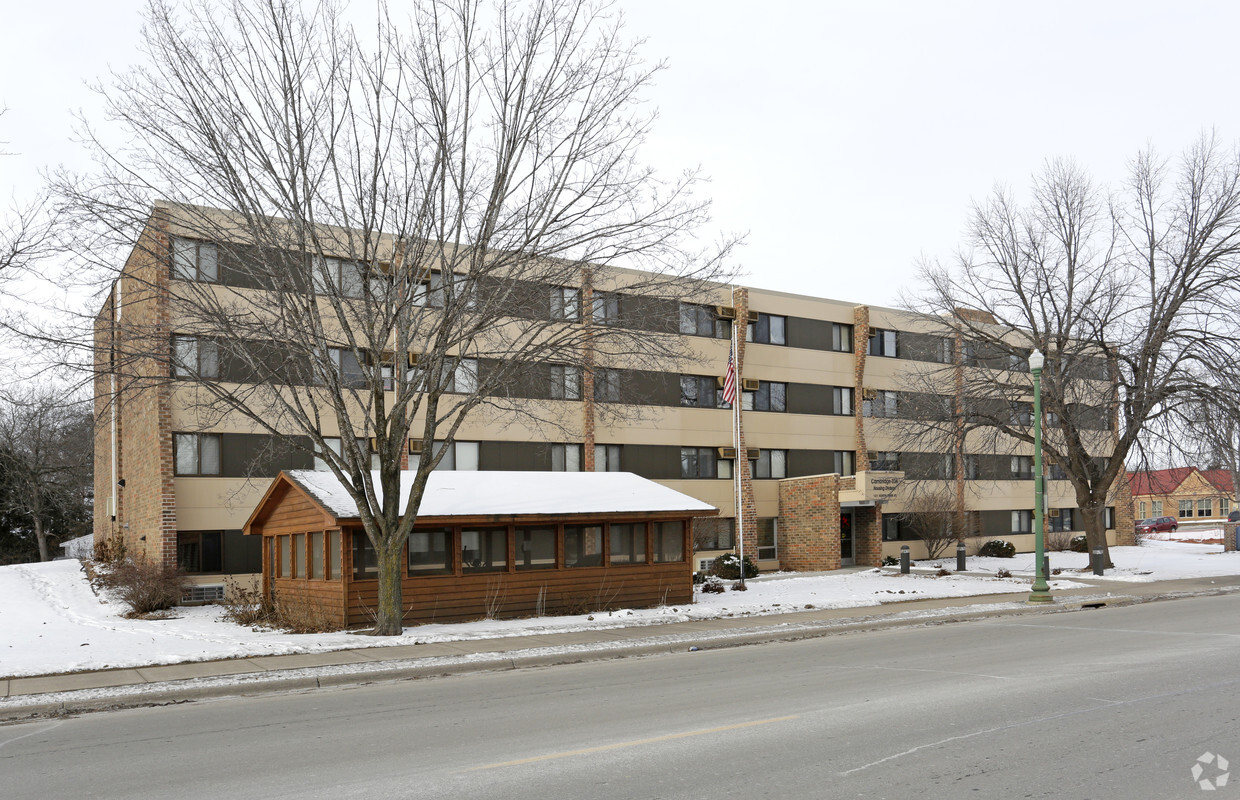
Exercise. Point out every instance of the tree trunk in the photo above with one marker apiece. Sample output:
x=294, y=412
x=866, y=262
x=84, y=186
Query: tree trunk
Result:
x=1093, y=512
x=40, y=536
x=390, y=615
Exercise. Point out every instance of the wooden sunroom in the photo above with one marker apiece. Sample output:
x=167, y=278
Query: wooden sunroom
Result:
x=499, y=544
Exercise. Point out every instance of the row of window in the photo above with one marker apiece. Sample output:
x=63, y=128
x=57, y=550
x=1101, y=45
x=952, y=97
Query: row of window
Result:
x=1203, y=507
x=904, y=527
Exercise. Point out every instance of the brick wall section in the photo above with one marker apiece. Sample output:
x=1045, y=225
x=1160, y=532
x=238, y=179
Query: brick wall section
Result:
x=141, y=336
x=809, y=523
x=868, y=536
x=861, y=348
x=1229, y=536
x=1125, y=525
x=105, y=528
x=749, y=509
x=587, y=377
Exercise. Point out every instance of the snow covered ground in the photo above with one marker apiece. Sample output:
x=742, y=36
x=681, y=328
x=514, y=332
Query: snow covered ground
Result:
x=51, y=621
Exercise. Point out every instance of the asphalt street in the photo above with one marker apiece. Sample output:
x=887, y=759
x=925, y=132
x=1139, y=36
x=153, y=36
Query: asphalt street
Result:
x=1112, y=703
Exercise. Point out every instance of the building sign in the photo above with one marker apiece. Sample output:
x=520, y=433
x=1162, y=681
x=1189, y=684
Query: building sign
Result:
x=878, y=487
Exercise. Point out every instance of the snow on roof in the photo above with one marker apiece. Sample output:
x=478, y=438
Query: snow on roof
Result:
x=466, y=493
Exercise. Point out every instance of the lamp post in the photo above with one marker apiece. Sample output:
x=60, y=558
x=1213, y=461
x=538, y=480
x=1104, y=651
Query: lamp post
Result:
x=1041, y=592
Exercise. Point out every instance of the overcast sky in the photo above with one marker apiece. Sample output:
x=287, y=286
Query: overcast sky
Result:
x=848, y=139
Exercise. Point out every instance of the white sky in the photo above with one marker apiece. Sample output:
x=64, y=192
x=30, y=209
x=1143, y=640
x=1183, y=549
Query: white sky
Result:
x=847, y=138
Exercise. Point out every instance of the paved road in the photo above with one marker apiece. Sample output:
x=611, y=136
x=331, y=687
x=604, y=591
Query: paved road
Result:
x=1115, y=703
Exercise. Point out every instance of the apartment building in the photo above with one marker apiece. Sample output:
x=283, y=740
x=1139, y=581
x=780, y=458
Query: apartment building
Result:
x=824, y=481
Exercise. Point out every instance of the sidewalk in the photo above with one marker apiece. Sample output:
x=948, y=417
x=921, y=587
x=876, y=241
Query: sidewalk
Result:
x=118, y=688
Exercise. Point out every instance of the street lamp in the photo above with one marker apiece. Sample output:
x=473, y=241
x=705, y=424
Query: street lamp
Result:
x=1041, y=592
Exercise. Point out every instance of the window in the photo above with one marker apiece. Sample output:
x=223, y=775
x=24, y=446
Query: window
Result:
x=842, y=401
x=565, y=381
x=566, y=458
x=843, y=462
x=583, y=545
x=286, y=557
x=200, y=552
x=882, y=403
x=841, y=337
x=343, y=362
x=769, y=329
x=881, y=461
x=1021, y=468
x=1022, y=414
x=333, y=555
x=1205, y=508
x=484, y=550
x=883, y=343
x=565, y=303
x=669, y=542
x=771, y=464
x=1022, y=521
x=1057, y=473
x=700, y=391
x=768, y=539
x=430, y=552
x=535, y=548
x=298, y=568
x=607, y=385
x=697, y=320
x=333, y=444
x=342, y=278
x=195, y=261
x=628, y=543
x=433, y=293
x=1061, y=519
x=365, y=559
x=1224, y=506
x=1108, y=517
x=714, y=533
x=315, y=561
x=1143, y=509
x=697, y=462
x=605, y=309
x=456, y=456
x=892, y=527
x=1157, y=507
x=607, y=458
x=195, y=358
x=196, y=453
x=464, y=377
x=1186, y=508
x=768, y=397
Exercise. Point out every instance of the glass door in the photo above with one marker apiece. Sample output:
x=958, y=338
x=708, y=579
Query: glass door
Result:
x=846, y=539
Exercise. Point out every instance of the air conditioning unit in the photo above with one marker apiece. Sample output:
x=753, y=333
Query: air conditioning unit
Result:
x=727, y=452
x=411, y=359
x=725, y=312
x=374, y=444
x=752, y=453
x=869, y=394
x=385, y=358
x=750, y=384
x=415, y=447
x=753, y=316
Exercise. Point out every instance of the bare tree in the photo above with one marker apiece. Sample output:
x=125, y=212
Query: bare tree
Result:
x=1131, y=297
x=27, y=233
x=932, y=516
x=378, y=236
x=45, y=464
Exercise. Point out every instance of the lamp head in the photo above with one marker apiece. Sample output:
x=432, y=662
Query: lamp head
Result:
x=1036, y=360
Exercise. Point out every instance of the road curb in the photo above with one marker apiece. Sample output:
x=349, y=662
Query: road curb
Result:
x=13, y=709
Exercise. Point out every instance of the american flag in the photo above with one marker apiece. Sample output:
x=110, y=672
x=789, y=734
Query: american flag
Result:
x=729, y=379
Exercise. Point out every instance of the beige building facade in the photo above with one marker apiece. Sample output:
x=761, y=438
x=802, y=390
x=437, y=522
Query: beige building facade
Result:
x=819, y=381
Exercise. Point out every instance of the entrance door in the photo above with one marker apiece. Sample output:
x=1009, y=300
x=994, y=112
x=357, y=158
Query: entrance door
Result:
x=846, y=539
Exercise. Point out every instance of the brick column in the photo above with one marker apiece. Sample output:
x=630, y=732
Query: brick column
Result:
x=1121, y=499
x=587, y=373
x=1229, y=536
x=868, y=536
x=748, y=511
x=861, y=348
x=809, y=523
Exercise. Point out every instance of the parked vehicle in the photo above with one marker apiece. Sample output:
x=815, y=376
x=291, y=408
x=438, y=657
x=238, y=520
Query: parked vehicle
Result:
x=1158, y=525
x=1234, y=516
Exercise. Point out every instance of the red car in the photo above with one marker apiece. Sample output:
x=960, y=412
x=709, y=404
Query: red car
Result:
x=1158, y=525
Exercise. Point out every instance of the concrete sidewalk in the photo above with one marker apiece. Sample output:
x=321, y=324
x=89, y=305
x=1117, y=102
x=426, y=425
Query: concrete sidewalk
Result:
x=118, y=688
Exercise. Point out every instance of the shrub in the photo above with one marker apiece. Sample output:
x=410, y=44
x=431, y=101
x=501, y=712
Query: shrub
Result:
x=997, y=548
x=109, y=550
x=891, y=561
x=713, y=585
x=249, y=607
x=1080, y=544
x=1003, y=573
x=727, y=566
x=254, y=608
x=1058, y=541
x=942, y=573
x=739, y=587
x=145, y=585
